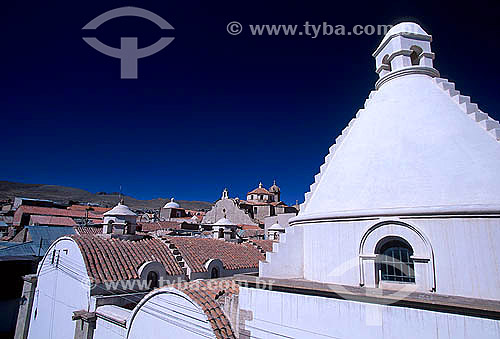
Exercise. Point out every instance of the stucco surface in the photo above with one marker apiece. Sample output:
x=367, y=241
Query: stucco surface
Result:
x=59, y=292
x=287, y=315
x=411, y=147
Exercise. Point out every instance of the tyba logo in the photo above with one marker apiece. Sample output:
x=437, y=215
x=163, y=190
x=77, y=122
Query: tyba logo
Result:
x=129, y=53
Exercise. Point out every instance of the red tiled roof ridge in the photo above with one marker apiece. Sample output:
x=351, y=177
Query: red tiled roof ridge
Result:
x=262, y=245
x=260, y=190
x=205, y=293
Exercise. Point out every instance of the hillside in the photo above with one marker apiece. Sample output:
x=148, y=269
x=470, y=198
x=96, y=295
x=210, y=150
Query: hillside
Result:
x=62, y=194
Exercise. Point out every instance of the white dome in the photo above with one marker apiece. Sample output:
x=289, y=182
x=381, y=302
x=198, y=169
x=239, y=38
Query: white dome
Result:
x=409, y=28
x=172, y=204
x=119, y=210
x=224, y=222
x=276, y=227
x=412, y=149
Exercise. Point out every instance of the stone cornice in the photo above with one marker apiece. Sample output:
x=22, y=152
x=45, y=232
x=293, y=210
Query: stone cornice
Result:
x=423, y=211
x=432, y=72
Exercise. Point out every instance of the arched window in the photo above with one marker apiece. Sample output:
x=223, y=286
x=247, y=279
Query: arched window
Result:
x=415, y=55
x=214, y=273
x=394, y=261
x=109, y=228
x=153, y=279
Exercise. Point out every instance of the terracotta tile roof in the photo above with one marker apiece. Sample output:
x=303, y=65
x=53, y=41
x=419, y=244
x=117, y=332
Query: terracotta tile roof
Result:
x=82, y=230
x=206, y=293
x=257, y=203
x=188, y=218
x=49, y=220
x=195, y=212
x=159, y=225
x=30, y=210
x=252, y=233
x=114, y=259
x=260, y=190
x=249, y=227
x=197, y=251
x=95, y=209
x=265, y=245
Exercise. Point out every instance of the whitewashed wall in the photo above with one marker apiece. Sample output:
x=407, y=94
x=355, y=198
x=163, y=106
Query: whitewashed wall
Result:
x=466, y=257
x=281, y=315
x=169, y=312
x=108, y=330
x=59, y=292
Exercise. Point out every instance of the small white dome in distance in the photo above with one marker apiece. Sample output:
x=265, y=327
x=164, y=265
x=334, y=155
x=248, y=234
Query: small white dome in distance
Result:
x=119, y=210
x=224, y=222
x=276, y=227
x=172, y=204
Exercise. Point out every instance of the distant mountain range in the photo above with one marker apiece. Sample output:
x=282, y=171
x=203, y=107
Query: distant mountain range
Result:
x=62, y=194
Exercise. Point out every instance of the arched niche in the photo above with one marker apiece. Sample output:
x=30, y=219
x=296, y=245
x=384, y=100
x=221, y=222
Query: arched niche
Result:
x=214, y=265
x=415, y=55
x=153, y=269
x=423, y=254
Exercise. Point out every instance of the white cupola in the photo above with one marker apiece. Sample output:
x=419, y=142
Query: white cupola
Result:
x=405, y=49
x=273, y=233
x=224, y=229
x=171, y=204
x=120, y=220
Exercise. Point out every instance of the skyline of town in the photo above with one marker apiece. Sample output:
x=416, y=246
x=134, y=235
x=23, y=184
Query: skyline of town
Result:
x=210, y=110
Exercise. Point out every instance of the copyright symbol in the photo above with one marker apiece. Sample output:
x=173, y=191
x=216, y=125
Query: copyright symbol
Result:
x=234, y=28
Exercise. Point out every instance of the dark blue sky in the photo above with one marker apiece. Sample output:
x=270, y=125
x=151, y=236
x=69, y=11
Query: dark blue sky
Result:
x=210, y=110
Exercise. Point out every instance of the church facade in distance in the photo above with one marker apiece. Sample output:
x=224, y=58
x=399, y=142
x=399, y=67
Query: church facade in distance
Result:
x=260, y=204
